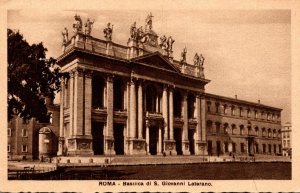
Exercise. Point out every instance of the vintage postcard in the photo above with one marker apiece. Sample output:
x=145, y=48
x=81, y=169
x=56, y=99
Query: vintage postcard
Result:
x=150, y=96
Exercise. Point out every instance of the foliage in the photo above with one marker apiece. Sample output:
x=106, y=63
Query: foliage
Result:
x=31, y=78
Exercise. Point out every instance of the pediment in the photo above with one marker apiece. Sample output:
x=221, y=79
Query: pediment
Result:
x=157, y=60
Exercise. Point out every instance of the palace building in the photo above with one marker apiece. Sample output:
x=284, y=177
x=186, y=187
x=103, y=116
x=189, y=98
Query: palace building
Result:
x=138, y=100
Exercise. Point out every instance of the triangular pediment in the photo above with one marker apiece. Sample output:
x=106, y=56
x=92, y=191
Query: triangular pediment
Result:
x=157, y=60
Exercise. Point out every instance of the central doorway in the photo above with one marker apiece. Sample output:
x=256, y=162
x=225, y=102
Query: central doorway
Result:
x=98, y=139
x=153, y=140
x=119, y=138
x=178, y=139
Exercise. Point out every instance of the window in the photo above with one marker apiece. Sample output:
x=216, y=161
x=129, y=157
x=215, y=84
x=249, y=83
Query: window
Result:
x=274, y=133
x=284, y=143
x=241, y=111
x=9, y=132
x=256, y=131
x=274, y=147
x=217, y=108
x=248, y=113
x=233, y=127
x=208, y=106
x=288, y=134
x=262, y=114
x=226, y=146
x=234, y=147
x=242, y=148
x=8, y=148
x=288, y=143
x=24, y=133
x=226, y=128
x=280, y=148
x=241, y=130
x=263, y=132
x=209, y=126
x=232, y=110
x=256, y=114
x=270, y=148
x=225, y=109
x=218, y=125
x=24, y=148
x=269, y=133
x=283, y=134
x=264, y=148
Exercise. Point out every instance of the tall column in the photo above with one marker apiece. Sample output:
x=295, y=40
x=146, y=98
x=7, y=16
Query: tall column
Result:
x=132, y=110
x=61, y=120
x=71, y=98
x=198, y=128
x=203, y=118
x=165, y=111
x=110, y=115
x=171, y=114
x=185, y=141
x=78, y=101
x=140, y=111
x=88, y=103
x=147, y=137
x=159, y=152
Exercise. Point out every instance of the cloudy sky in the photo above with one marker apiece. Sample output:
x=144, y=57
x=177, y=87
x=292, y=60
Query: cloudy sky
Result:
x=247, y=52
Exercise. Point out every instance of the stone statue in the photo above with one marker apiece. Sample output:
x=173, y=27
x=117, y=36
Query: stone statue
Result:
x=170, y=43
x=196, y=59
x=163, y=42
x=65, y=35
x=133, y=31
x=183, y=55
x=77, y=25
x=141, y=35
x=149, y=22
x=108, y=32
x=88, y=27
x=201, y=60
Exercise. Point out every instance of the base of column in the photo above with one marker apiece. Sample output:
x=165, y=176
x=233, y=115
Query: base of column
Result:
x=137, y=146
x=80, y=146
x=185, y=148
x=109, y=146
x=170, y=147
x=200, y=148
x=61, y=143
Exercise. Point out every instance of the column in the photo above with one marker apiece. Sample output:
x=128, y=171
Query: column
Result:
x=185, y=141
x=132, y=110
x=78, y=101
x=88, y=103
x=71, y=95
x=140, y=111
x=171, y=114
x=203, y=118
x=159, y=151
x=110, y=105
x=147, y=137
x=198, y=150
x=165, y=111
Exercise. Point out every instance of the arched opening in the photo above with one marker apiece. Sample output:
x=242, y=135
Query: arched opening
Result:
x=177, y=103
x=98, y=85
x=233, y=129
x=191, y=105
x=241, y=129
x=118, y=94
x=226, y=127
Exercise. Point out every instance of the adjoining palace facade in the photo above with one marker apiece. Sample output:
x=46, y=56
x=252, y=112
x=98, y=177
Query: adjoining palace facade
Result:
x=138, y=100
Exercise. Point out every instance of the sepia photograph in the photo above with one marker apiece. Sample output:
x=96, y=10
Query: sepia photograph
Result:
x=164, y=97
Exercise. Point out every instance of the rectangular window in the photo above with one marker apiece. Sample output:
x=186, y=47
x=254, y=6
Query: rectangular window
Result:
x=8, y=148
x=24, y=148
x=9, y=132
x=233, y=147
x=241, y=111
x=264, y=148
x=279, y=148
x=274, y=147
x=226, y=146
x=256, y=115
x=242, y=148
x=24, y=133
x=270, y=148
x=248, y=113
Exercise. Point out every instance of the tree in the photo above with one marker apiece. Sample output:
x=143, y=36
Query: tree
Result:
x=31, y=78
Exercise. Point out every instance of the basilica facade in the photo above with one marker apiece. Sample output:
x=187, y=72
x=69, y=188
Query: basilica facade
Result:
x=136, y=99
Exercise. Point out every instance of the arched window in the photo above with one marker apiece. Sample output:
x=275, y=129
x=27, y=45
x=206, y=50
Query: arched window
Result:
x=233, y=128
x=274, y=133
x=209, y=126
x=248, y=113
x=256, y=131
x=225, y=109
x=217, y=107
x=256, y=114
x=269, y=132
x=241, y=111
x=232, y=110
x=263, y=130
x=218, y=126
x=226, y=128
x=241, y=129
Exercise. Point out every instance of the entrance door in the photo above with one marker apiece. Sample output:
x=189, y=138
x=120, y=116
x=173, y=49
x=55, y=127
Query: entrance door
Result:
x=98, y=139
x=178, y=139
x=153, y=139
x=192, y=141
x=119, y=139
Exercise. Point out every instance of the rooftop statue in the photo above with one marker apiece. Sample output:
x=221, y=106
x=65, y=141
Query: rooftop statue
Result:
x=170, y=43
x=141, y=35
x=65, y=35
x=88, y=27
x=108, y=32
x=163, y=42
x=77, y=25
x=198, y=60
x=183, y=55
x=133, y=31
x=148, y=25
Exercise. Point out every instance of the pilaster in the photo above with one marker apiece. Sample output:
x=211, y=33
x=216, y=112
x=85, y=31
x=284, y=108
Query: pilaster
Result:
x=109, y=139
x=185, y=141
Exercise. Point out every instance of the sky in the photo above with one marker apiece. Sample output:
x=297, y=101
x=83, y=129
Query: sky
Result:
x=247, y=52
